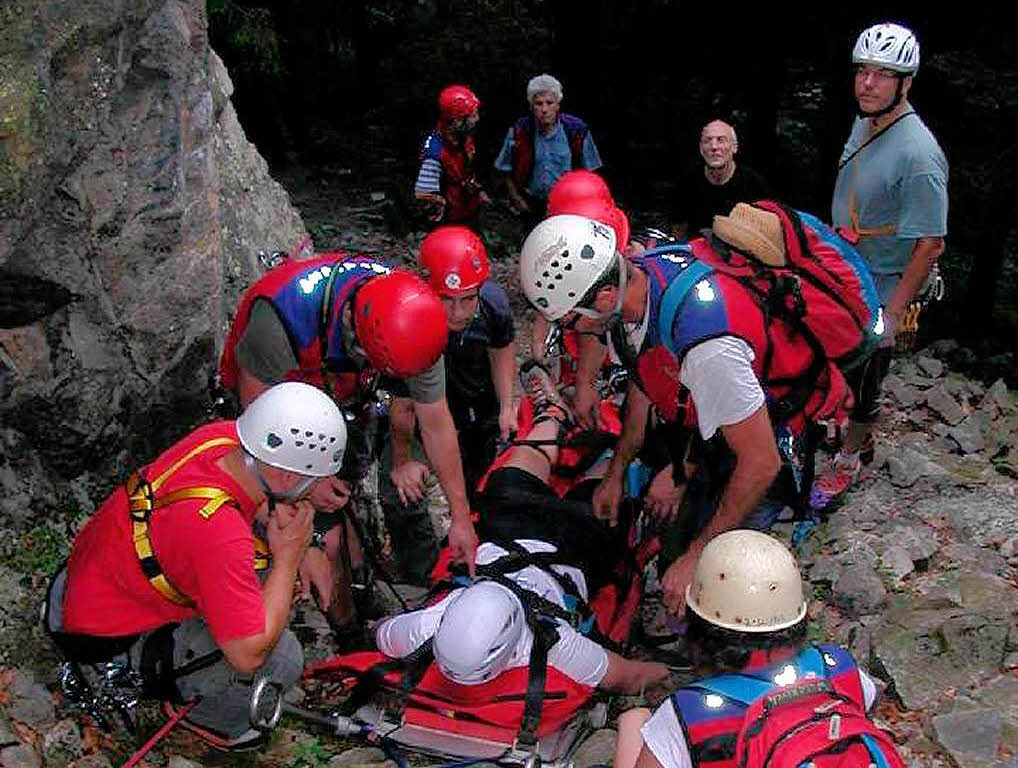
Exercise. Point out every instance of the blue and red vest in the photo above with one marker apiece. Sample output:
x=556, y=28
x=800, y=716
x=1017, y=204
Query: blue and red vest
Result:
x=458, y=185
x=705, y=304
x=523, y=145
x=711, y=711
x=297, y=291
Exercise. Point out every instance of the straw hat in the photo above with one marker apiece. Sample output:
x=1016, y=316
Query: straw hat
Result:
x=753, y=231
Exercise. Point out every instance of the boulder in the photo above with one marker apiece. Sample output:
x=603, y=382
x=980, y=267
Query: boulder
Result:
x=858, y=589
x=131, y=210
x=971, y=736
x=926, y=652
x=941, y=402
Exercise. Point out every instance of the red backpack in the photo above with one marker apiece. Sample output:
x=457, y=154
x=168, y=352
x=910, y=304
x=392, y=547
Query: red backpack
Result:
x=825, y=284
x=817, y=719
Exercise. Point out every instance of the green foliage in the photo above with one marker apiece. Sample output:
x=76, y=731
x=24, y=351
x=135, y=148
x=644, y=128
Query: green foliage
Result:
x=42, y=548
x=248, y=34
x=309, y=755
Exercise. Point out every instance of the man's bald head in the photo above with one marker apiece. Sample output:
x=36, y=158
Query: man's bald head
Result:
x=718, y=144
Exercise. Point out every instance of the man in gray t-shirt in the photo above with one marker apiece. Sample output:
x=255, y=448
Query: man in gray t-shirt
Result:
x=890, y=199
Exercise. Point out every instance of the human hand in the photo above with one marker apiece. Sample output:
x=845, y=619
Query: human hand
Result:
x=289, y=531
x=606, y=499
x=410, y=479
x=463, y=543
x=506, y=422
x=330, y=494
x=586, y=405
x=676, y=579
x=316, y=578
x=663, y=496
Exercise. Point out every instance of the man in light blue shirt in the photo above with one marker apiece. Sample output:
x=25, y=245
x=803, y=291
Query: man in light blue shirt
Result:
x=542, y=146
x=890, y=200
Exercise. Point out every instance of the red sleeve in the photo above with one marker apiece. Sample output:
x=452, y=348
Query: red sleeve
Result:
x=229, y=592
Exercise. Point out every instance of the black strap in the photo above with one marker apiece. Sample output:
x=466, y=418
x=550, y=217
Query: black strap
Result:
x=873, y=138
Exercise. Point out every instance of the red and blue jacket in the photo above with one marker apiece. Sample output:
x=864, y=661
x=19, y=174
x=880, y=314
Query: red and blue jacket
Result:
x=523, y=145
x=458, y=185
x=712, y=711
x=309, y=297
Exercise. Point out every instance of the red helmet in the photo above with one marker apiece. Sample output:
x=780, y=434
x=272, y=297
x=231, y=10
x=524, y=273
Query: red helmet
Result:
x=457, y=101
x=400, y=323
x=578, y=185
x=598, y=209
x=455, y=260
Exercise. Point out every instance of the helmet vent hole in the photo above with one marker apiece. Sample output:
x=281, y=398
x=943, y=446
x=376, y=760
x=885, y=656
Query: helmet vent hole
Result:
x=587, y=253
x=572, y=294
x=545, y=274
x=568, y=267
x=337, y=455
x=538, y=284
x=321, y=436
x=299, y=443
x=294, y=431
x=773, y=587
x=323, y=449
x=273, y=440
x=332, y=439
x=311, y=446
x=309, y=466
x=717, y=614
x=558, y=276
x=555, y=264
x=309, y=434
x=721, y=576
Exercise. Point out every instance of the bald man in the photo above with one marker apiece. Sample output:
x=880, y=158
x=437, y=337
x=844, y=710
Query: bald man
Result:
x=718, y=186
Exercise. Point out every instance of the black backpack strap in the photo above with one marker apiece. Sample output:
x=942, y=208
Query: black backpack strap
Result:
x=372, y=680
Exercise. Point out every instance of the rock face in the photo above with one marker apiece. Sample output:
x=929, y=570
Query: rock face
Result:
x=131, y=210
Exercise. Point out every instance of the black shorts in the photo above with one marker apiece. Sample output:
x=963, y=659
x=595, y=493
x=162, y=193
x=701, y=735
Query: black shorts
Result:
x=517, y=505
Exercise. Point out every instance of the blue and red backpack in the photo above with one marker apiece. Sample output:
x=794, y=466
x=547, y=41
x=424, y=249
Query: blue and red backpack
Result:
x=808, y=322
x=806, y=711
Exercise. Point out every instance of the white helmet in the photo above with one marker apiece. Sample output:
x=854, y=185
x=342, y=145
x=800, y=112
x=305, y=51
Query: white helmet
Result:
x=478, y=633
x=296, y=427
x=562, y=259
x=747, y=581
x=890, y=46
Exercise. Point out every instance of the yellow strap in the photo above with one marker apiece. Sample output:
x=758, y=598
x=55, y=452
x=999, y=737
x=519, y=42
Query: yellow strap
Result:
x=208, y=444
x=141, y=499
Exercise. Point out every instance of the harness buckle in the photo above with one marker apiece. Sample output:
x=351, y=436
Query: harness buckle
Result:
x=140, y=498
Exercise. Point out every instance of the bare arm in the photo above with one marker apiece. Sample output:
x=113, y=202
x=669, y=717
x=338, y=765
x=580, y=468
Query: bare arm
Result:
x=585, y=401
x=924, y=255
x=630, y=676
x=438, y=433
x=503, y=374
x=289, y=535
x=756, y=465
x=608, y=493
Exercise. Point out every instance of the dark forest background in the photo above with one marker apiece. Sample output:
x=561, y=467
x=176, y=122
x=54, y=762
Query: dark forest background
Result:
x=351, y=84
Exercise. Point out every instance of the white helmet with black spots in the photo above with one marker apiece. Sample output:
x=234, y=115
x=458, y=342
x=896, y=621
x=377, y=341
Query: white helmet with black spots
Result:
x=889, y=46
x=296, y=427
x=478, y=633
x=563, y=258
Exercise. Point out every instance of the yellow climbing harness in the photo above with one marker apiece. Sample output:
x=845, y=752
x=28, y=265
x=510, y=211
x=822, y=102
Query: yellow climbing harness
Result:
x=143, y=500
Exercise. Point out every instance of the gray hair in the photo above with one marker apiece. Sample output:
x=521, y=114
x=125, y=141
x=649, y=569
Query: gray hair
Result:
x=544, y=84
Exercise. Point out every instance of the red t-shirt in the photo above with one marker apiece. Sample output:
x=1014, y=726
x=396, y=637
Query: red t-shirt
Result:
x=211, y=560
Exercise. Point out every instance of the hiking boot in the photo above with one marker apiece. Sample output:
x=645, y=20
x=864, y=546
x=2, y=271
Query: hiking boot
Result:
x=834, y=479
x=248, y=740
x=538, y=386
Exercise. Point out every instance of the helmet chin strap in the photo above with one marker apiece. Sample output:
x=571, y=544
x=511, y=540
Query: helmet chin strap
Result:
x=890, y=107
x=614, y=316
x=294, y=493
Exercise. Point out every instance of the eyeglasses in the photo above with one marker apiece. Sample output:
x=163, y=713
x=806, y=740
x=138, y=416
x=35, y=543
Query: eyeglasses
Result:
x=863, y=71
